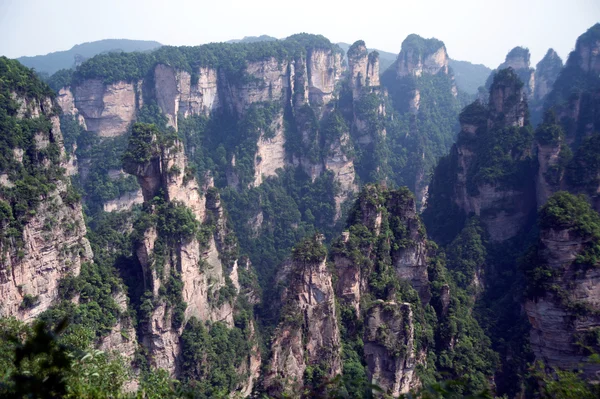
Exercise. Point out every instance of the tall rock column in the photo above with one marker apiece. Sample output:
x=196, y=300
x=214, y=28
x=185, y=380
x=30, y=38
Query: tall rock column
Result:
x=42, y=230
x=181, y=246
x=564, y=285
x=308, y=334
x=382, y=258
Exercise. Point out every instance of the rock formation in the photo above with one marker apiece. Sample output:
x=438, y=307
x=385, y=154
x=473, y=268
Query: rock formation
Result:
x=389, y=347
x=563, y=307
x=48, y=244
x=107, y=110
x=389, y=350
x=421, y=56
x=504, y=202
x=519, y=59
x=308, y=334
x=184, y=274
x=546, y=72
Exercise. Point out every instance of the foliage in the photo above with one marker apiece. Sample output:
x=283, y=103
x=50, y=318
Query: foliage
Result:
x=563, y=384
x=39, y=363
x=420, y=46
x=467, y=254
x=230, y=58
x=309, y=250
x=33, y=169
x=582, y=171
x=211, y=356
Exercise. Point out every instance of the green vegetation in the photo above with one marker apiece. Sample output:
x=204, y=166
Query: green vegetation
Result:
x=29, y=150
x=230, y=58
x=582, y=171
x=309, y=250
x=211, y=357
x=39, y=363
x=469, y=77
x=420, y=46
x=416, y=139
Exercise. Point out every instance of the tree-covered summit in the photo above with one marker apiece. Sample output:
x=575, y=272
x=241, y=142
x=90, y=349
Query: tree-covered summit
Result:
x=231, y=58
x=421, y=45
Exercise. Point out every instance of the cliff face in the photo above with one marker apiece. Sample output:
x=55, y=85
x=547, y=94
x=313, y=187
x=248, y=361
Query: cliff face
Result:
x=563, y=308
x=519, y=59
x=392, y=243
x=389, y=347
x=184, y=275
x=546, y=72
x=421, y=56
x=363, y=68
x=308, y=334
x=176, y=95
x=107, y=110
x=566, y=139
x=48, y=244
x=504, y=203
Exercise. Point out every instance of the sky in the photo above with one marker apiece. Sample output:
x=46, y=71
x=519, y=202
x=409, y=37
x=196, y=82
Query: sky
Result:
x=479, y=31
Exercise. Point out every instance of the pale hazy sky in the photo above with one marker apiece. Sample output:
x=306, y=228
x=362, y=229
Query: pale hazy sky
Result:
x=479, y=31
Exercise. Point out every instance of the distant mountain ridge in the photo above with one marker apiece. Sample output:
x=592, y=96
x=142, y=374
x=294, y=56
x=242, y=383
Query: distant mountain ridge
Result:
x=469, y=76
x=52, y=62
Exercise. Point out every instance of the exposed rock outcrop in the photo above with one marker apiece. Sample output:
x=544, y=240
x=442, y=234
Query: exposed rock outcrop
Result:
x=397, y=241
x=52, y=243
x=201, y=267
x=389, y=347
x=308, y=334
x=270, y=155
x=420, y=56
x=107, y=110
x=504, y=209
x=563, y=311
x=177, y=94
x=546, y=72
x=519, y=59
x=363, y=67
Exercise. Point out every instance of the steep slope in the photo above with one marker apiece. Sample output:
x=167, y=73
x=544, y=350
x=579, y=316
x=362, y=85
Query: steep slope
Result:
x=42, y=239
x=563, y=283
x=490, y=168
x=305, y=349
x=567, y=140
x=399, y=304
x=423, y=93
x=187, y=253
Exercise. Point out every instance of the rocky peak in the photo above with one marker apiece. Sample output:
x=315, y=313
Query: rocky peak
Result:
x=363, y=67
x=517, y=58
x=308, y=333
x=504, y=200
x=385, y=241
x=183, y=249
x=546, y=72
x=587, y=50
x=420, y=56
x=508, y=104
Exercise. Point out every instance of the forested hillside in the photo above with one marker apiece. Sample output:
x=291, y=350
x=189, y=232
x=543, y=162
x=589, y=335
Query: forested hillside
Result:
x=282, y=218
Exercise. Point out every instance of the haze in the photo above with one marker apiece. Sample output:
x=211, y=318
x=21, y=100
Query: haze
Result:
x=473, y=30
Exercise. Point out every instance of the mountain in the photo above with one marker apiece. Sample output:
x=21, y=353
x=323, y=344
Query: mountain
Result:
x=265, y=218
x=469, y=77
x=253, y=39
x=530, y=190
x=52, y=62
x=385, y=58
